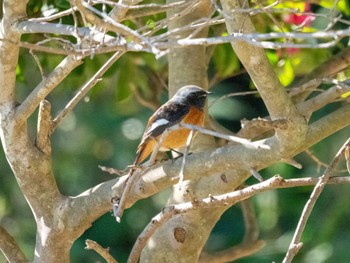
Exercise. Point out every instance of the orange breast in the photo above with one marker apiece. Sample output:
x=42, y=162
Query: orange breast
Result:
x=175, y=139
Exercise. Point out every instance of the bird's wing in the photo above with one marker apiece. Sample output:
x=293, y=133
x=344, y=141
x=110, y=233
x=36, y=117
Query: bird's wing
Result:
x=165, y=117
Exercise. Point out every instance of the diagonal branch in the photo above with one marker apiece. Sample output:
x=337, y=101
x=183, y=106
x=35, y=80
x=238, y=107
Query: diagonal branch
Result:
x=104, y=252
x=257, y=65
x=85, y=89
x=33, y=100
x=330, y=67
x=295, y=244
x=9, y=248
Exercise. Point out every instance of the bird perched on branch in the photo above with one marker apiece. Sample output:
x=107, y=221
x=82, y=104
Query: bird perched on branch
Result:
x=186, y=106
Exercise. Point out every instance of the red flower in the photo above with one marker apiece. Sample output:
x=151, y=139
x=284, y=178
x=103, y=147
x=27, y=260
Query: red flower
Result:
x=296, y=19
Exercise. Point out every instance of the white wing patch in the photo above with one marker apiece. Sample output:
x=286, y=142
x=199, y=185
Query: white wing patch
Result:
x=158, y=123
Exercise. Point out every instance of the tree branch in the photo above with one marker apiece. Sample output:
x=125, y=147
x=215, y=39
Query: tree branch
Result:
x=85, y=89
x=295, y=244
x=330, y=67
x=104, y=252
x=9, y=248
x=233, y=253
x=165, y=174
x=251, y=130
x=9, y=51
x=223, y=200
x=28, y=106
x=109, y=24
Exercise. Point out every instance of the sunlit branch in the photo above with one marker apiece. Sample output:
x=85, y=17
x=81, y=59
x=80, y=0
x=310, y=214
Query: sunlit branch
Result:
x=296, y=244
x=218, y=201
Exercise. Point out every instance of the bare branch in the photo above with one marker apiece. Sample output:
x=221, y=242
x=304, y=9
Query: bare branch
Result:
x=295, y=244
x=109, y=24
x=85, y=89
x=120, y=9
x=28, y=106
x=104, y=252
x=330, y=67
x=29, y=26
x=9, y=248
x=215, y=201
x=260, y=40
x=326, y=97
x=9, y=51
x=255, y=128
x=161, y=176
x=37, y=61
x=54, y=16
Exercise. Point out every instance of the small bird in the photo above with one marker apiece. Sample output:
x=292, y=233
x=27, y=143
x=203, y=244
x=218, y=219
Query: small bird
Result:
x=186, y=106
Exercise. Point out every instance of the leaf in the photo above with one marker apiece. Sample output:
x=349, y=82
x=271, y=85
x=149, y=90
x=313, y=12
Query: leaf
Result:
x=286, y=76
x=343, y=6
x=64, y=4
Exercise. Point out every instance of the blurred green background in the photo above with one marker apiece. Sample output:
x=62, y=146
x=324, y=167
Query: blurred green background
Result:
x=105, y=129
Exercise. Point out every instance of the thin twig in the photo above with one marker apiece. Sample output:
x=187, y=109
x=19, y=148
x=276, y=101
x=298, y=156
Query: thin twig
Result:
x=104, y=252
x=37, y=61
x=188, y=143
x=318, y=162
x=295, y=244
x=248, y=143
x=261, y=40
x=85, y=89
x=54, y=16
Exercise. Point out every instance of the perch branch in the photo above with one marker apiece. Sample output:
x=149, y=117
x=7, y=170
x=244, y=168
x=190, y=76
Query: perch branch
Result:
x=295, y=244
x=165, y=174
x=231, y=157
x=137, y=173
